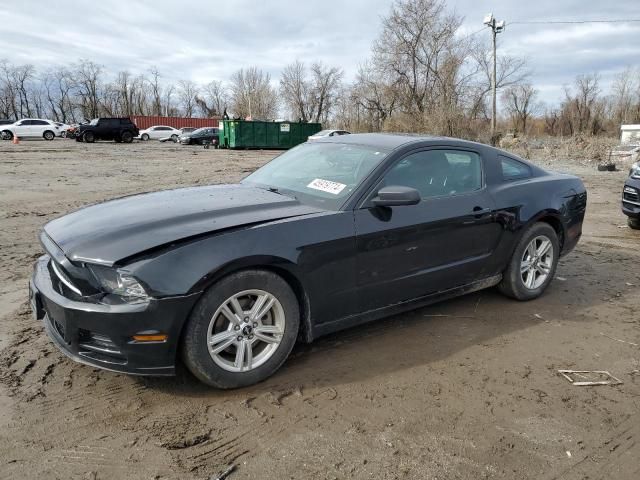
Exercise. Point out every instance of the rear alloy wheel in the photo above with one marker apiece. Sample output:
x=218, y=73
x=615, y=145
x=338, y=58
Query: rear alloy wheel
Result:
x=144, y=137
x=242, y=329
x=533, y=264
x=633, y=223
x=89, y=137
x=49, y=135
x=126, y=137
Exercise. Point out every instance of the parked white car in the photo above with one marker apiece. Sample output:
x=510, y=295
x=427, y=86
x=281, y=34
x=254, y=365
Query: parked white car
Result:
x=31, y=128
x=159, y=131
x=326, y=134
x=63, y=128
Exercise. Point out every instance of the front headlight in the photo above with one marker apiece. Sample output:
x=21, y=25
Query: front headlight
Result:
x=118, y=282
x=635, y=170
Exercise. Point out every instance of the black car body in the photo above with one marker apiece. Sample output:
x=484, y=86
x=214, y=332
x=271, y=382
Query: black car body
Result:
x=348, y=262
x=200, y=136
x=631, y=197
x=116, y=129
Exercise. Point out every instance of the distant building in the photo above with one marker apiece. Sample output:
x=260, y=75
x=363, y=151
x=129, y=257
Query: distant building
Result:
x=630, y=134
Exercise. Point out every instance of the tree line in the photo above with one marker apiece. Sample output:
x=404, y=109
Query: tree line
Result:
x=422, y=75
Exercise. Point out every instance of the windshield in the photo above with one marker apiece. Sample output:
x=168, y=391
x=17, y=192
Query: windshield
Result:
x=320, y=174
x=322, y=133
x=199, y=130
x=94, y=121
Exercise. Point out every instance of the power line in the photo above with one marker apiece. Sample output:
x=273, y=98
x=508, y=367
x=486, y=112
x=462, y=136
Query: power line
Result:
x=474, y=33
x=537, y=22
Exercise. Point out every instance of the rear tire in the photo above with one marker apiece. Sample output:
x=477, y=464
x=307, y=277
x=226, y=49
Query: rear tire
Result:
x=126, y=137
x=633, y=223
x=89, y=137
x=243, y=357
x=49, y=135
x=530, y=271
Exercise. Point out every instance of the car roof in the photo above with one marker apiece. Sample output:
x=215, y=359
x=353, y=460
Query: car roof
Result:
x=391, y=141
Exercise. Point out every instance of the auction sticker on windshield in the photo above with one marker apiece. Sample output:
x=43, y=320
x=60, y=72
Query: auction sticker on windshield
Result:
x=327, y=186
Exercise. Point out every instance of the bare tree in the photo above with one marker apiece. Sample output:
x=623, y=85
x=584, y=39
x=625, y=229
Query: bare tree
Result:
x=58, y=87
x=169, y=91
x=156, y=92
x=326, y=84
x=520, y=103
x=583, y=109
x=187, y=93
x=417, y=36
x=510, y=70
x=310, y=98
x=376, y=98
x=89, y=85
x=626, y=97
x=295, y=90
x=252, y=94
x=214, y=99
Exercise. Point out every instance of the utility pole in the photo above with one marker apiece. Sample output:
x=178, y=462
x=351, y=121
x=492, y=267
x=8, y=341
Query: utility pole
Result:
x=496, y=27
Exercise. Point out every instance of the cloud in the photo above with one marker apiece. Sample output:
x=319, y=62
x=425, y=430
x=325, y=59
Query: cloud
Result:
x=203, y=40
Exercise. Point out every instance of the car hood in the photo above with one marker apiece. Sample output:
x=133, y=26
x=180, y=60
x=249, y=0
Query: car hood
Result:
x=108, y=232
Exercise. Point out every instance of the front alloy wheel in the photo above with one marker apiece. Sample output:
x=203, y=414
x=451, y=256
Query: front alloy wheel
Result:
x=246, y=330
x=242, y=329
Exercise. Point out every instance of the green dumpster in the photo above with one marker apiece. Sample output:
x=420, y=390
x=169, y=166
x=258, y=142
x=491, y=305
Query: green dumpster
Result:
x=258, y=134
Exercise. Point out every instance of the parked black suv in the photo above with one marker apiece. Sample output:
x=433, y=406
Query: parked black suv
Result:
x=631, y=197
x=117, y=129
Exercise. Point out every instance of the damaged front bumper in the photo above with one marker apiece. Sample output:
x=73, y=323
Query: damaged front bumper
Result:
x=102, y=335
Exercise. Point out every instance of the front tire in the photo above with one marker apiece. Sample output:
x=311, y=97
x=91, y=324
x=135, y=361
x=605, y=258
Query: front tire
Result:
x=633, y=223
x=7, y=135
x=89, y=137
x=49, y=135
x=126, y=137
x=242, y=330
x=533, y=263
x=144, y=137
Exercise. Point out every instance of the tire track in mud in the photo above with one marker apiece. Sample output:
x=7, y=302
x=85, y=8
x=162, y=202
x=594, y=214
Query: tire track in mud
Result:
x=617, y=457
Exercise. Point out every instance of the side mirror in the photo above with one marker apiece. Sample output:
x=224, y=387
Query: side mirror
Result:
x=396, y=196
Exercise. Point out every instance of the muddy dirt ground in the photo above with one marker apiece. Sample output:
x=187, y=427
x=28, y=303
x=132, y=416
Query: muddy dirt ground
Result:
x=464, y=389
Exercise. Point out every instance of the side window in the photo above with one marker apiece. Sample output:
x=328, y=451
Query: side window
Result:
x=513, y=169
x=39, y=122
x=435, y=173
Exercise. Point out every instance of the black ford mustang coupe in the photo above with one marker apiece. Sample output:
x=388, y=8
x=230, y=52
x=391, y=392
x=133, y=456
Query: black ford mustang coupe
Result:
x=328, y=235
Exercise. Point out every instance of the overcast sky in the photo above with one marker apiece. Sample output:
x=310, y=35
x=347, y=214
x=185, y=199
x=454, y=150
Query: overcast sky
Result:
x=205, y=40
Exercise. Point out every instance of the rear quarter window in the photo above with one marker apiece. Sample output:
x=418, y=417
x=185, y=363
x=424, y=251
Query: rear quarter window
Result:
x=513, y=169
